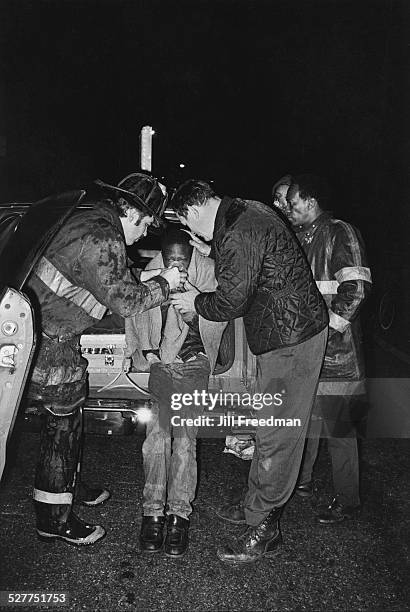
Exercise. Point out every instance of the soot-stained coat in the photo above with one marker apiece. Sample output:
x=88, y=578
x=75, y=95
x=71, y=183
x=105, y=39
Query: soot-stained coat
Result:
x=337, y=257
x=82, y=273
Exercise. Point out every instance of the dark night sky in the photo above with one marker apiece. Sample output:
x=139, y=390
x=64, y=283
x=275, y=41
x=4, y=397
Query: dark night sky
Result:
x=241, y=92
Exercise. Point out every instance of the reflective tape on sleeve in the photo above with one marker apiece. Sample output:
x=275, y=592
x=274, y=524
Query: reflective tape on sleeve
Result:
x=327, y=287
x=337, y=322
x=61, y=286
x=352, y=273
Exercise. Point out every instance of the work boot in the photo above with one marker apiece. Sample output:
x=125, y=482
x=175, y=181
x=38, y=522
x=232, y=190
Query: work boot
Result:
x=232, y=513
x=336, y=512
x=177, y=540
x=91, y=496
x=152, y=533
x=73, y=530
x=256, y=542
x=305, y=490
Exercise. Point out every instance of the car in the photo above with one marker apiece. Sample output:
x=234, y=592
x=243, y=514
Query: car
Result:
x=25, y=231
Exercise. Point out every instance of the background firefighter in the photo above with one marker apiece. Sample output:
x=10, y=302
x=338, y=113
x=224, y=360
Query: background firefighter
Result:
x=83, y=273
x=336, y=254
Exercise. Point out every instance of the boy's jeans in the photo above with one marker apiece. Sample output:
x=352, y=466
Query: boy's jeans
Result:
x=171, y=476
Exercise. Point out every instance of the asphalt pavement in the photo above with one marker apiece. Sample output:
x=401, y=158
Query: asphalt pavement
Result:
x=361, y=564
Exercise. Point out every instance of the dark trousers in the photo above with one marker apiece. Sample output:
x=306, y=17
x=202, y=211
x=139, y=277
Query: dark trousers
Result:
x=342, y=447
x=58, y=461
x=293, y=372
x=59, y=385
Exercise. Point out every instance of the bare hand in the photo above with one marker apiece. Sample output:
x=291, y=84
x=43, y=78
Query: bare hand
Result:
x=202, y=248
x=188, y=317
x=174, y=277
x=185, y=302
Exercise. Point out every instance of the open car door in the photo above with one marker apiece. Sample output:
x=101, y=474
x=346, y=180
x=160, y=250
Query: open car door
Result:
x=25, y=231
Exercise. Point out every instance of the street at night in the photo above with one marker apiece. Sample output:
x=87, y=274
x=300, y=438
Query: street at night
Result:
x=357, y=565
x=199, y=198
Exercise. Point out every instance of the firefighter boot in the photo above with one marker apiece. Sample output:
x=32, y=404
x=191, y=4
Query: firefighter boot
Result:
x=90, y=496
x=72, y=530
x=54, y=483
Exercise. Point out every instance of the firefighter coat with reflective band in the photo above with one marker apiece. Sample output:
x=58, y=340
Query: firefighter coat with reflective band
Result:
x=336, y=254
x=81, y=274
x=262, y=275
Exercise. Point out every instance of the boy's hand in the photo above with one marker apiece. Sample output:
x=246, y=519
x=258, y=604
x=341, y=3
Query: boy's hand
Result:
x=188, y=317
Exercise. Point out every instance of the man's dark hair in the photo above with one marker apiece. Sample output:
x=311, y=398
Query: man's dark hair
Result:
x=285, y=180
x=121, y=206
x=192, y=192
x=311, y=186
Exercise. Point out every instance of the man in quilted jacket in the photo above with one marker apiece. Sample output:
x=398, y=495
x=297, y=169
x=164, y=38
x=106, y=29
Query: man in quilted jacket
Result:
x=82, y=273
x=336, y=254
x=264, y=277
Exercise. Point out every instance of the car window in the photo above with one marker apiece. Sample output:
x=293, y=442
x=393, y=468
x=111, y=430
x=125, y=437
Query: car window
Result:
x=8, y=224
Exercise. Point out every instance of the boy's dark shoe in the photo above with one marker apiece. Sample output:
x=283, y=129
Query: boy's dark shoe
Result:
x=177, y=540
x=152, y=533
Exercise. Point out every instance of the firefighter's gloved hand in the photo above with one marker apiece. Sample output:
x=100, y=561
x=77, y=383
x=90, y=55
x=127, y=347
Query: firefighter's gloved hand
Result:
x=174, y=277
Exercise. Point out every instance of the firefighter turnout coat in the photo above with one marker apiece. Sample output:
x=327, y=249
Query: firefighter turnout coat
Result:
x=336, y=254
x=83, y=273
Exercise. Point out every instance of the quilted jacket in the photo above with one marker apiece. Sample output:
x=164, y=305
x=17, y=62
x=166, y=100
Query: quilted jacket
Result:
x=263, y=276
x=336, y=254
